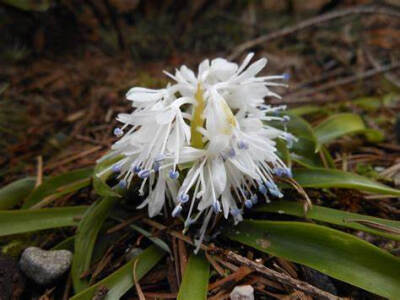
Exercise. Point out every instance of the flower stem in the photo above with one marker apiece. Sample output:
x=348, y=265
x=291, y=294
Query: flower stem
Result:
x=197, y=120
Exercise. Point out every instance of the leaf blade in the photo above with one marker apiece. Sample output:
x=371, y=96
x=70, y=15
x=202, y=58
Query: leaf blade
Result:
x=15, y=192
x=22, y=221
x=194, y=284
x=119, y=282
x=342, y=124
x=329, y=178
x=337, y=254
x=333, y=216
x=60, y=185
x=86, y=236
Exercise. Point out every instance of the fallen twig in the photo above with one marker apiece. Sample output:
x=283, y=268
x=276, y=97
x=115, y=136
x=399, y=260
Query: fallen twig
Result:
x=236, y=258
x=300, y=97
x=280, y=277
x=362, y=9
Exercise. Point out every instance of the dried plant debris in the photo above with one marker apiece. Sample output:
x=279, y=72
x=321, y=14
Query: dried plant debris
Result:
x=66, y=66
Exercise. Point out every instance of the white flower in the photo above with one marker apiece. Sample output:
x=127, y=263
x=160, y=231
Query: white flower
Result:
x=205, y=141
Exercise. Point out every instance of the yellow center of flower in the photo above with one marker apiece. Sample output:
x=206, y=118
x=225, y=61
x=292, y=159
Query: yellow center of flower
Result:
x=196, y=140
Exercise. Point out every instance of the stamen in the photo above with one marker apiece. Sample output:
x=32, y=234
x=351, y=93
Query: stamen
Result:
x=136, y=169
x=118, y=132
x=173, y=174
x=235, y=212
x=122, y=183
x=144, y=173
x=286, y=76
x=183, y=198
x=116, y=168
x=242, y=145
x=283, y=172
x=159, y=157
x=248, y=203
x=216, y=207
x=254, y=199
x=262, y=189
x=156, y=166
x=177, y=210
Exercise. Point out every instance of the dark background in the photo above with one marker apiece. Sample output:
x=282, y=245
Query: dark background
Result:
x=65, y=65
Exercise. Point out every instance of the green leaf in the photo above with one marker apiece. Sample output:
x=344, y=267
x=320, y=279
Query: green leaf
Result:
x=21, y=221
x=328, y=178
x=86, y=236
x=119, y=282
x=342, y=124
x=386, y=228
x=305, y=110
x=16, y=192
x=303, y=152
x=102, y=188
x=194, y=284
x=337, y=254
x=60, y=185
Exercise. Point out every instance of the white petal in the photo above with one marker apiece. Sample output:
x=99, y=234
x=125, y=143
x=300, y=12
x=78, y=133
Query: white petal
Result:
x=218, y=175
x=252, y=70
x=158, y=197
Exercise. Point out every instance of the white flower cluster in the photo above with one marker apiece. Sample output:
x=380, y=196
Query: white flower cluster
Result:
x=203, y=142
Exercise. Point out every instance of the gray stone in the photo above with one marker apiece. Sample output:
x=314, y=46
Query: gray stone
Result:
x=242, y=292
x=44, y=266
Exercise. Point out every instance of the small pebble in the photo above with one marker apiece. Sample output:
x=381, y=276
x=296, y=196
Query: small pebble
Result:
x=242, y=292
x=44, y=267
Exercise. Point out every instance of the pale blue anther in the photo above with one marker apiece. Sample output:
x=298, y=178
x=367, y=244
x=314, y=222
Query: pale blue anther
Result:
x=254, y=199
x=262, y=189
x=286, y=76
x=144, y=174
x=156, y=166
x=279, y=171
x=216, y=207
x=118, y=132
x=283, y=172
x=189, y=222
x=235, y=212
x=248, y=203
x=231, y=153
x=289, y=140
x=122, y=183
x=183, y=198
x=285, y=119
x=116, y=168
x=270, y=185
x=136, y=169
x=177, y=210
x=242, y=145
x=173, y=174
x=276, y=193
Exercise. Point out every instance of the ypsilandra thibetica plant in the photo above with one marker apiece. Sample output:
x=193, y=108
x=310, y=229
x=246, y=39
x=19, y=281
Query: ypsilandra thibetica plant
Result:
x=205, y=142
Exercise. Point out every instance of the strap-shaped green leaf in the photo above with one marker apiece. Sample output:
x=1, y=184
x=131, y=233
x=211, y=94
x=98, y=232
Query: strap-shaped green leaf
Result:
x=60, y=185
x=119, y=282
x=342, y=124
x=386, y=228
x=328, y=178
x=16, y=192
x=194, y=284
x=24, y=220
x=329, y=251
x=85, y=238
